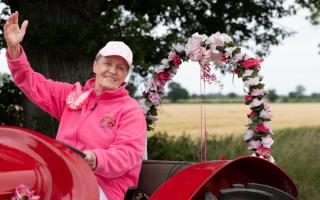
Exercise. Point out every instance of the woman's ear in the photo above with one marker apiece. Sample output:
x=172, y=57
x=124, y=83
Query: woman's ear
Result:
x=94, y=66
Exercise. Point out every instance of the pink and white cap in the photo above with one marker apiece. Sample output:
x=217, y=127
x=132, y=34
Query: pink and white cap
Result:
x=117, y=48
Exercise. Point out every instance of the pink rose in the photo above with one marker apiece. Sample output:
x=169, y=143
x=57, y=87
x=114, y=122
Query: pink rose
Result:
x=262, y=128
x=177, y=60
x=163, y=76
x=262, y=151
x=252, y=63
x=154, y=98
x=223, y=58
x=247, y=98
x=251, y=115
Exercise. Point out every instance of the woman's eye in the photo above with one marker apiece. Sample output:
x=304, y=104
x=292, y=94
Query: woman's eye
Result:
x=121, y=68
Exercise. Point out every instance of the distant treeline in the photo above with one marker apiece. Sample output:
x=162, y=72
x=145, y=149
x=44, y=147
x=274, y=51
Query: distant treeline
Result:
x=179, y=94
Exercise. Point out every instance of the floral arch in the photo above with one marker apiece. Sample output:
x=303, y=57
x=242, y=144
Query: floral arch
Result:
x=218, y=52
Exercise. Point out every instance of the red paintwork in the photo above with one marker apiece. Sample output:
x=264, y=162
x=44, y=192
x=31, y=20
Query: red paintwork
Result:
x=49, y=168
x=194, y=181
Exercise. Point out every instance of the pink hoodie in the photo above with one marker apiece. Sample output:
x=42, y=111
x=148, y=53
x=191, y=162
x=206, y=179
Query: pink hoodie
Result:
x=111, y=124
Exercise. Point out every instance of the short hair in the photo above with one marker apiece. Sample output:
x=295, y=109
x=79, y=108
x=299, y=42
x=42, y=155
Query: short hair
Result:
x=98, y=57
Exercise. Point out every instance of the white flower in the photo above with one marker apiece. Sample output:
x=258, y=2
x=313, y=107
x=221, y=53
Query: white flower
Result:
x=247, y=72
x=265, y=114
x=266, y=106
x=254, y=144
x=267, y=141
x=254, y=155
x=165, y=61
x=238, y=57
x=258, y=92
x=150, y=85
x=271, y=159
x=161, y=68
x=248, y=135
x=255, y=102
x=178, y=47
x=229, y=50
x=218, y=39
x=145, y=106
x=252, y=82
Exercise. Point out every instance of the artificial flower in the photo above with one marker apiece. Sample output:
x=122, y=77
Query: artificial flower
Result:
x=265, y=114
x=163, y=76
x=255, y=103
x=267, y=141
x=252, y=63
x=252, y=82
x=263, y=128
x=248, y=135
x=257, y=92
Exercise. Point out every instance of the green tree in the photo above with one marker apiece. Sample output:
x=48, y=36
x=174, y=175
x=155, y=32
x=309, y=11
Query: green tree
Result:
x=64, y=36
x=11, y=111
x=272, y=95
x=232, y=95
x=300, y=90
x=314, y=8
x=176, y=92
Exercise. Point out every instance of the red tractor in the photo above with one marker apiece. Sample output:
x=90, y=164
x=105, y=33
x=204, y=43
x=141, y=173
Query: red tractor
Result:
x=56, y=172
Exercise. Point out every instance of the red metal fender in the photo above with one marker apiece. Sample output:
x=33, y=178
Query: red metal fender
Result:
x=194, y=181
x=44, y=165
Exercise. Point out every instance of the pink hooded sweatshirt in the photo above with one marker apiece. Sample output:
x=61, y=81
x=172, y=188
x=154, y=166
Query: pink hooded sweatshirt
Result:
x=111, y=124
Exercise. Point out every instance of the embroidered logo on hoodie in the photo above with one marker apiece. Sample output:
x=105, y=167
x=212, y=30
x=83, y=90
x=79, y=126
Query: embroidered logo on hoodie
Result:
x=107, y=122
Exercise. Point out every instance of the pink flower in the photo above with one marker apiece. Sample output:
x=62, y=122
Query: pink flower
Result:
x=163, y=76
x=257, y=92
x=247, y=98
x=177, y=60
x=252, y=63
x=262, y=151
x=23, y=192
x=223, y=58
x=267, y=141
x=262, y=128
x=154, y=98
x=251, y=115
x=193, y=48
x=265, y=114
x=254, y=144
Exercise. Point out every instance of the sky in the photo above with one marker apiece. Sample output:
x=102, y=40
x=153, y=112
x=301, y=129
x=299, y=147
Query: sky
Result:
x=294, y=62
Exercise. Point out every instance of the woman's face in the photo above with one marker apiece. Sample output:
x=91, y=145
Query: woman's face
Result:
x=111, y=71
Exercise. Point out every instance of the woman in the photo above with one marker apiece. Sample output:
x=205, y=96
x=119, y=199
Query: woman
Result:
x=99, y=118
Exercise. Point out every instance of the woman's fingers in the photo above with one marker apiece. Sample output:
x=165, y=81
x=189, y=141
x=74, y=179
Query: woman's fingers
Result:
x=91, y=159
x=16, y=17
x=24, y=26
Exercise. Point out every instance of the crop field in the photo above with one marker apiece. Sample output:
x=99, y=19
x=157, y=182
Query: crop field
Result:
x=226, y=119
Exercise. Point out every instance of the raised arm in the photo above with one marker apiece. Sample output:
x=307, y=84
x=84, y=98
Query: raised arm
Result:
x=14, y=35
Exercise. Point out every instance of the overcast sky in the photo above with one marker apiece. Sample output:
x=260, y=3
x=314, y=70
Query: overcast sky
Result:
x=295, y=61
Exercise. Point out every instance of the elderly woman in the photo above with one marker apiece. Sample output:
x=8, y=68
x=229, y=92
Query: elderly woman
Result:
x=99, y=118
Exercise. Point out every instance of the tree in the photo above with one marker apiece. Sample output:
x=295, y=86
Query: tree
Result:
x=176, y=92
x=314, y=8
x=64, y=36
x=300, y=90
x=11, y=111
x=272, y=95
x=232, y=95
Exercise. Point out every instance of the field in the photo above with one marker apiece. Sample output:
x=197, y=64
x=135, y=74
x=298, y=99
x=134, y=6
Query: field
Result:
x=226, y=119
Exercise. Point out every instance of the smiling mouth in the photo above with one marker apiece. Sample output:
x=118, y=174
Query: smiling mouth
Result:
x=110, y=78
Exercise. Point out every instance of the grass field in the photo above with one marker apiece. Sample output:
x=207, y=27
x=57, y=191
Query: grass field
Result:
x=225, y=119
x=296, y=151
